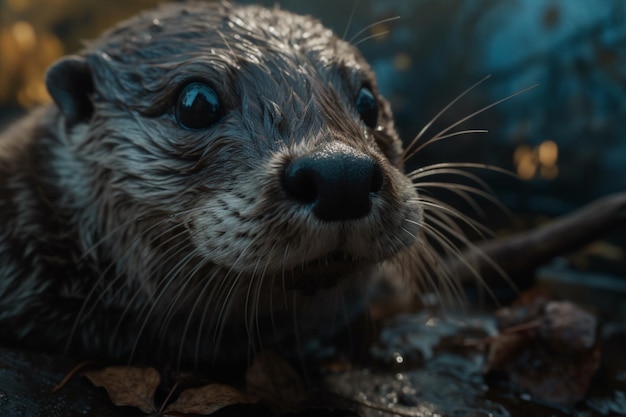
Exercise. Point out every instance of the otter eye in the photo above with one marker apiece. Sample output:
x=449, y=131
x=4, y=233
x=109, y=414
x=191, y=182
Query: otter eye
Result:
x=198, y=106
x=367, y=106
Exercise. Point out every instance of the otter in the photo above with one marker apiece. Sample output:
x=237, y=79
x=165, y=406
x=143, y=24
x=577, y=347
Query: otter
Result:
x=210, y=180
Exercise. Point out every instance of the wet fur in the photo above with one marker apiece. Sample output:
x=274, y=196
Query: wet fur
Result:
x=125, y=236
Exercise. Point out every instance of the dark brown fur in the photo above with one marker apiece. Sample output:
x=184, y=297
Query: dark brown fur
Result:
x=126, y=236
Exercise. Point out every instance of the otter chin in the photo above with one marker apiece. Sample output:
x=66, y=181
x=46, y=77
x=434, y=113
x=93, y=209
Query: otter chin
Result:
x=209, y=181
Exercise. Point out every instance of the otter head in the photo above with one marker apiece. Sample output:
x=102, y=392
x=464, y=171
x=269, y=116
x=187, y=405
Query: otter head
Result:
x=231, y=156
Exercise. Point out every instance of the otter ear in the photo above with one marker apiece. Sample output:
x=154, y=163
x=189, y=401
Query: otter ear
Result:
x=70, y=83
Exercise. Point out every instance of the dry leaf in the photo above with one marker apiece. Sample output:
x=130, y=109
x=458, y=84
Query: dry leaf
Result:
x=128, y=386
x=208, y=399
x=568, y=328
x=273, y=380
x=547, y=348
x=505, y=348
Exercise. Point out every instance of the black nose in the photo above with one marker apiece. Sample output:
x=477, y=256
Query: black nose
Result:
x=336, y=180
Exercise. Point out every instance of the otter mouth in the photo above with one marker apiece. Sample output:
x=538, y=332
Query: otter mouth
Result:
x=325, y=272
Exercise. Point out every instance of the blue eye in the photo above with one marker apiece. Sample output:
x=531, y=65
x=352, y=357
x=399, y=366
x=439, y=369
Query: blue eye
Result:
x=367, y=107
x=198, y=106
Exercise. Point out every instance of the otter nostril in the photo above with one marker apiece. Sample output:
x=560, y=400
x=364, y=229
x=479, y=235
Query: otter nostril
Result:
x=299, y=182
x=336, y=181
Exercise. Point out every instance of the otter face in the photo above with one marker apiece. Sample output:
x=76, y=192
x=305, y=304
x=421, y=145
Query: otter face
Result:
x=254, y=139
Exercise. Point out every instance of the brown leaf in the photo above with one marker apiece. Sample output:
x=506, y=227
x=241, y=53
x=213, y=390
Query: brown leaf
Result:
x=128, y=386
x=559, y=379
x=273, y=380
x=503, y=349
x=547, y=348
x=208, y=399
x=568, y=328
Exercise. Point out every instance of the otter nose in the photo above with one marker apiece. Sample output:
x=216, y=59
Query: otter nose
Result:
x=336, y=181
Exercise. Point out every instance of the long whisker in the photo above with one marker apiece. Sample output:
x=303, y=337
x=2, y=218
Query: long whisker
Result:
x=249, y=310
x=368, y=27
x=259, y=294
x=226, y=305
x=227, y=296
x=433, y=273
x=88, y=299
x=152, y=303
x=433, y=167
x=283, y=289
x=164, y=218
x=438, y=208
x=191, y=315
x=406, y=155
x=463, y=258
x=352, y=12
x=121, y=274
x=438, y=115
x=479, y=111
x=372, y=36
x=200, y=296
x=464, y=192
x=175, y=272
x=450, y=248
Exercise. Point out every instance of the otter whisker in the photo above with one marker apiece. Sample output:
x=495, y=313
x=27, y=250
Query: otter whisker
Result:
x=296, y=335
x=436, y=137
x=123, y=226
x=115, y=262
x=199, y=298
x=425, y=261
x=89, y=304
x=226, y=305
x=121, y=273
x=352, y=12
x=439, y=138
x=283, y=287
x=451, y=172
x=463, y=191
x=193, y=316
x=373, y=36
x=455, y=253
x=161, y=286
x=419, y=172
x=444, y=284
x=250, y=310
x=450, y=249
x=173, y=275
x=258, y=297
x=440, y=209
x=368, y=27
x=227, y=297
x=202, y=328
x=152, y=303
x=409, y=148
x=435, y=209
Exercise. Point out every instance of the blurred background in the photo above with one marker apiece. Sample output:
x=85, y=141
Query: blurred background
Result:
x=565, y=138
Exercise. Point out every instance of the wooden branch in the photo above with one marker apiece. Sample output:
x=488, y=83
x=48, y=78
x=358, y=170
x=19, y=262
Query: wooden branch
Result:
x=519, y=255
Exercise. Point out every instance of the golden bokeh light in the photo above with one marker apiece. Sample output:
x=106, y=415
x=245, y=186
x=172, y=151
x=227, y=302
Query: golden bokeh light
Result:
x=520, y=153
x=548, y=153
x=24, y=57
x=29, y=40
x=541, y=160
x=402, y=62
x=24, y=36
x=527, y=166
